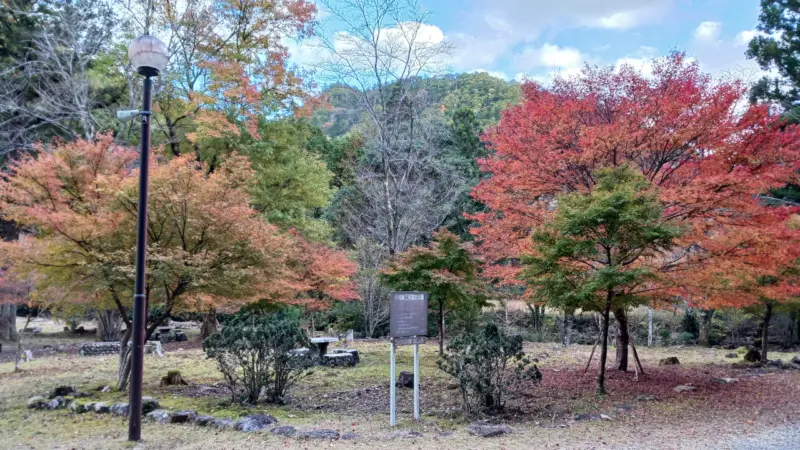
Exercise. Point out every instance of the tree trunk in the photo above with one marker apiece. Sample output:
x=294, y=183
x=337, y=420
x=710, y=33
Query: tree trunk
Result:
x=765, y=331
x=794, y=335
x=569, y=317
x=705, y=325
x=441, y=329
x=623, y=339
x=8, y=322
x=650, y=327
x=210, y=324
x=109, y=324
x=124, y=373
x=601, y=375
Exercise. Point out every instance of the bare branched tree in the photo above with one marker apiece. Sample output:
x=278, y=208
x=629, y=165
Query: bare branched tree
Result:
x=374, y=296
x=405, y=186
x=48, y=94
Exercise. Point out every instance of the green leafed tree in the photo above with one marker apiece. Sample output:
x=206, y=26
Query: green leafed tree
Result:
x=595, y=251
x=777, y=46
x=446, y=270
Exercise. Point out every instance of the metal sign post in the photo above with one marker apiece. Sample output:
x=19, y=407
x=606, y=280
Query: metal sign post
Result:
x=392, y=387
x=416, y=381
x=408, y=325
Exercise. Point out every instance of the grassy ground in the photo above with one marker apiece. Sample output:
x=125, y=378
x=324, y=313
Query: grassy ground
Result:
x=356, y=399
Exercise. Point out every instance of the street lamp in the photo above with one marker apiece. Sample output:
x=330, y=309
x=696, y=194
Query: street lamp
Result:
x=149, y=56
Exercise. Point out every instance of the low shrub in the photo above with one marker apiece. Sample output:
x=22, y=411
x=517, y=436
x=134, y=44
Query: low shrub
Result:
x=257, y=352
x=487, y=362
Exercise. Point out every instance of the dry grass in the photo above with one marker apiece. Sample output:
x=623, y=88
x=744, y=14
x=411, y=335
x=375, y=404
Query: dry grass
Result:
x=356, y=399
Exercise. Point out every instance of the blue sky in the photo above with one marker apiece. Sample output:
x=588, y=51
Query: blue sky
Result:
x=537, y=38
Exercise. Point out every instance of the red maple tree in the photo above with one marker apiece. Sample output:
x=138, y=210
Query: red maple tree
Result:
x=709, y=154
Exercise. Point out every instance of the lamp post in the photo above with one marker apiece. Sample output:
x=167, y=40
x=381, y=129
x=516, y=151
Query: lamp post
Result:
x=149, y=56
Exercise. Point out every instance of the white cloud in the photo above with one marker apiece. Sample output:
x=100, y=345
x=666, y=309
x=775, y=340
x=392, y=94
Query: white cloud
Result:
x=549, y=56
x=744, y=37
x=623, y=20
x=489, y=29
x=707, y=31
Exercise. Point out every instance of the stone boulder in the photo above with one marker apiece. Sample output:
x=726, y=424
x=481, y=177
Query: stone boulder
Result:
x=732, y=355
x=149, y=404
x=63, y=391
x=184, y=416
x=158, y=416
x=285, y=430
x=319, y=434
x=350, y=437
x=255, y=422
x=349, y=351
x=777, y=363
x=339, y=360
x=671, y=361
x=80, y=408
x=646, y=398
x=485, y=430
x=37, y=402
x=406, y=379
x=120, y=409
x=223, y=424
x=202, y=420
x=752, y=355
x=102, y=408
x=57, y=403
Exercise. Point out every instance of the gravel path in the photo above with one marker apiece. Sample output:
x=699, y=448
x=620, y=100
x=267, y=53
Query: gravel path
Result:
x=786, y=437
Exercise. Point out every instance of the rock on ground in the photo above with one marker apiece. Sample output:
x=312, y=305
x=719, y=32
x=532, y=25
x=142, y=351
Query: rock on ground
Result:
x=671, y=361
x=484, y=430
x=684, y=388
x=406, y=379
x=102, y=408
x=36, y=402
x=223, y=424
x=285, y=430
x=149, y=404
x=159, y=416
x=350, y=437
x=255, y=422
x=202, y=420
x=182, y=416
x=319, y=434
x=120, y=409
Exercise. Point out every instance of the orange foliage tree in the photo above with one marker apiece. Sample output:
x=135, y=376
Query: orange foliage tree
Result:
x=228, y=67
x=709, y=155
x=205, y=242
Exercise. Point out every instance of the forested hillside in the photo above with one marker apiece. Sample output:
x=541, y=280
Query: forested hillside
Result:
x=485, y=95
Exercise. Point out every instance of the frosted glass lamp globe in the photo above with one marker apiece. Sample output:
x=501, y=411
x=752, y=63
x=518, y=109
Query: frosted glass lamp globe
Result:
x=148, y=55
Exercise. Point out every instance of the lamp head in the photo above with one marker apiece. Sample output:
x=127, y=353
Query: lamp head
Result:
x=148, y=55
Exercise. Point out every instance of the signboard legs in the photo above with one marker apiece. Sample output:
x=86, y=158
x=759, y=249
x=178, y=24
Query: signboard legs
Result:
x=416, y=381
x=392, y=387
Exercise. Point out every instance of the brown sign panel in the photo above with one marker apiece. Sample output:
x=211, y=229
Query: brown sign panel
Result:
x=409, y=314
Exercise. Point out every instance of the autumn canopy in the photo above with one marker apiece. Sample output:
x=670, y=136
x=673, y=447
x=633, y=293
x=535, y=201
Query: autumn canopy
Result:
x=709, y=155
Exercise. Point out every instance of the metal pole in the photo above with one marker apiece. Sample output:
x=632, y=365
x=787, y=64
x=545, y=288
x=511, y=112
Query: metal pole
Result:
x=416, y=381
x=139, y=301
x=392, y=387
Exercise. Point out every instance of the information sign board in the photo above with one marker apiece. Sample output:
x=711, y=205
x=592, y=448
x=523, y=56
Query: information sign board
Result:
x=409, y=315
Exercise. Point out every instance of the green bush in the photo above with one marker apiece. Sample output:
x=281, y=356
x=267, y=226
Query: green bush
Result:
x=664, y=333
x=257, y=352
x=686, y=338
x=689, y=324
x=486, y=362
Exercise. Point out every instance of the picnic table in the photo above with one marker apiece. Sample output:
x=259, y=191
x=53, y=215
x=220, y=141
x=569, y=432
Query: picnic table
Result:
x=322, y=344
